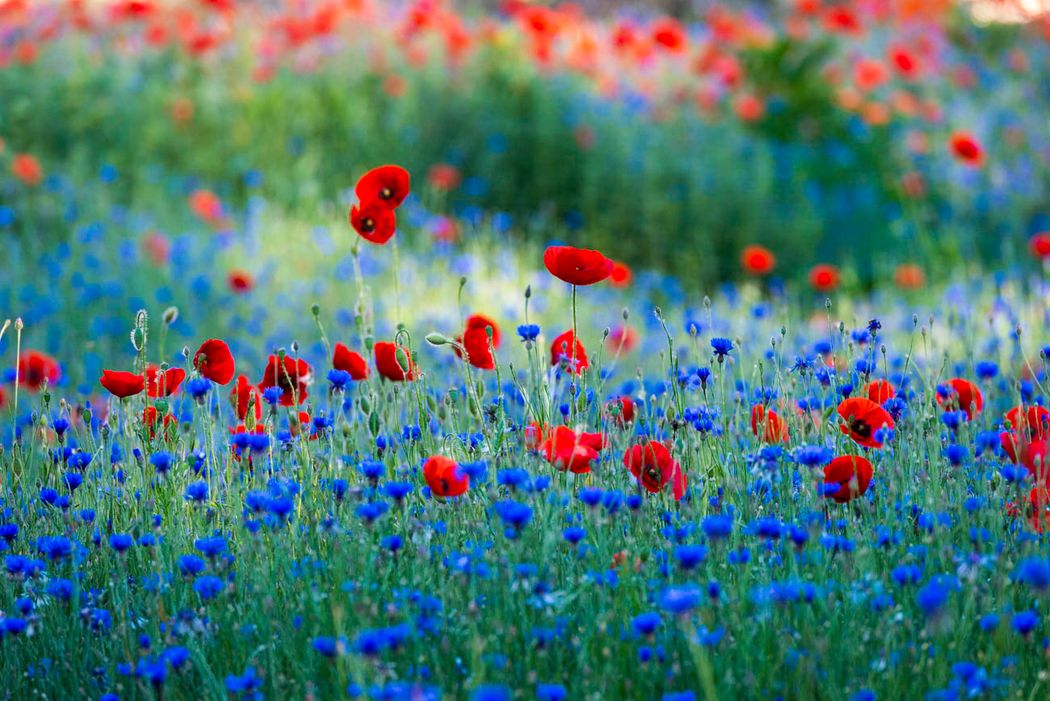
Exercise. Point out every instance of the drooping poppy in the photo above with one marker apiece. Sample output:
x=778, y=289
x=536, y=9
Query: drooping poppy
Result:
x=962, y=395
x=577, y=266
x=444, y=477
x=373, y=221
x=292, y=375
x=851, y=473
x=566, y=449
x=767, y=425
x=349, y=362
x=122, y=384
x=757, y=260
x=34, y=368
x=966, y=148
x=386, y=186
x=244, y=396
x=562, y=353
x=476, y=341
x=653, y=466
x=163, y=383
x=863, y=420
x=214, y=361
x=394, y=362
x=881, y=391
x=824, y=278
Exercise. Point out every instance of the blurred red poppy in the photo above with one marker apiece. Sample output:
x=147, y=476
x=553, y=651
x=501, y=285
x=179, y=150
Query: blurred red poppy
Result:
x=966, y=148
x=562, y=353
x=960, y=394
x=909, y=276
x=653, y=466
x=122, y=384
x=863, y=420
x=240, y=281
x=622, y=339
x=373, y=221
x=27, y=169
x=349, y=362
x=622, y=409
x=386, y=186
x=245, y=395
x=444, y=477
x=1039, y=245
x=394, y=363
x=34, y=368
x=163, y=383
x=443, y=176
x=767, y=425
x=824, y=277
x=851, y=473
x=566, y=449
x=214, y=361
x=291, y=375
x=757, y=260
x=881, y=391
x=577, y=266
x=621, y=275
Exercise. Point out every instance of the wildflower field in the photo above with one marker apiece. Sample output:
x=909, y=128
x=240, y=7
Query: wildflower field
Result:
x=431, y=350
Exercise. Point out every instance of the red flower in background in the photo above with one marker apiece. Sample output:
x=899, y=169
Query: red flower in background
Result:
x=150, y=417
x=373, y=221
x=757, y=260
x=562, y=353
x=214, y=361
x=577, y=266
x=851, y=473
x=443, y=176
x=163, y=383
x=1039, y=245
x=207, y=206
x=966, y=148
x=444, y=477
x=668, y=34
x=653, y=466
x=122, y=384
x=475, y=340
x=27, y=169
x=291, y=375
x=960, y=394
x=824, y=278
x=862, y=419
x=881, y=391
x=622, y=409
x=571, y=450
x=349, y=362
x=622, y=339
x=394, y=363
x=34, y=368
x=909, y=276
x=240, y=281
x=767, y=425
x=245, y=395
x=386, y=186
x=621, y=275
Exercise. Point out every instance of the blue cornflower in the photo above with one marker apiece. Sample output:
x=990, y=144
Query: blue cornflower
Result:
x=121, y=542
x=551, y=692
x=680, y=599
x=272, y=395
x=397, y=490
x=1035, y=572
x=514, y=514
x=198, y=387
x=372, y=470
x=208, y=586
x=196, y=491
x=490, y=692
x=689, y=556
x=717, y=526
x=339, y=379
x=161, y=462
x=932, y=597
x=722, y=347
x=529, y=332
x=646, y=623
x=1025, y=622
x=190, y=565
x=574, y=534
x=211, y=547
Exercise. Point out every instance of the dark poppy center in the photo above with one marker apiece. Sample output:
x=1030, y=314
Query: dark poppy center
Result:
x=860, y=427
x=652, y=474
x=369, y=224
x=386, y=193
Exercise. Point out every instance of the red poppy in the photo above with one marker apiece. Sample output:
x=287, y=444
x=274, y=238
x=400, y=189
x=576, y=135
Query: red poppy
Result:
x=562, y=352
x=863, y=420
x=443, y=176
x=291, y=375
x=758, y=260
x=244, y=395
x=767, y=425
x=668, y=33
x=870, y=73
x=577, y=266
x=3, y=398
x=475, y=340
x=966, y=148
x=149, y=420
x=904, y=61
x=27, y=169
x=571, y=450
x=163, y=384
x=881, y=391
x=621, y=339
x=960, y=394
x=34, y=368
x=350, y=362
x=386, y=186
x=394, y=363
x=373, y=221
x=1039, y=245
x=824, y=277
x=1038, y=510
x=444, y=477
x=621, y=275
x=214, y=361
x=909, y=276
x=622, y=409
x=653, y=467
x=851, y=473
x=1034, y=421
x=207, y=206
x=122, y=384
x=240, y=281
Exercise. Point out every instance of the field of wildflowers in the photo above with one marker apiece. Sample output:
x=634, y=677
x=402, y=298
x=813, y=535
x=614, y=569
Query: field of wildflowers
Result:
x=415, y=351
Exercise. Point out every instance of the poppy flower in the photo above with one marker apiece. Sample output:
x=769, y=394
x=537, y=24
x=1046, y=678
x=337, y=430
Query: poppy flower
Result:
x=851, y=473
x=870, y=73
x=881, y=391
x=3, y=398
x=622, y=408
x=386, y=186
x=214, y=361
x=966, y=148
x=349, y=362
x=909, y=276
x=150, y=417
x=34, y=368
x=1034, y=421
x=163, y=383
x=961, y=394
x=621, y=275
x=240, y=281
x=207, y=206
x=767, y=425
x=394, y=363
x=291, y=375
x=27, y=169
x=757, y=260
x=577, y=266
x=824, y=278
x=1039, y=245
x=863, y=419
x=373, y=221
x=122, y=384
x=566, y=449
x=444, y=477
x=241, y=398
x=653, y=467
x=669, y=34
x=621, y=340
x=475, y=340
x=443, y=176
x=1038, y=510
x=562, y=353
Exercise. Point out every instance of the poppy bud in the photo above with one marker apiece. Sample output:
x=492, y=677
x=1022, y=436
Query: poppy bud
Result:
x=528, y=291
x=170, y=316
x=295, y=347
x=315, y=309
x=436, y=339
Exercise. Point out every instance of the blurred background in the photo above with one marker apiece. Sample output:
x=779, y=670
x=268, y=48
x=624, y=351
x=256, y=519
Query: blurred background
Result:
x=670, y=133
